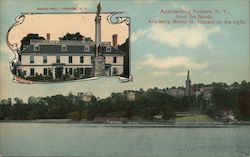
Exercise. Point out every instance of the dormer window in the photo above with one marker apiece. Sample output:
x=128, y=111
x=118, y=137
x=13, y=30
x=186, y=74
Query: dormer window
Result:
x=86, y=48
x=108, y=49
x=36, y=48
x=63, y=48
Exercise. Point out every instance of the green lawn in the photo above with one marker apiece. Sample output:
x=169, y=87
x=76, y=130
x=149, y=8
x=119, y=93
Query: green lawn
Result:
x=195, y=118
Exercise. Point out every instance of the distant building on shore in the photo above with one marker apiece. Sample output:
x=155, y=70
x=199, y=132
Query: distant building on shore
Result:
x=207, y=92
x=180, y=92
x=130, y=96
x=176, y=92
x=86, y=97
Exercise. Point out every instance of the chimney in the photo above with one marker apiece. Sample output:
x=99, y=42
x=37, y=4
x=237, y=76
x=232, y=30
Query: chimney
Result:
x=114, y=37
x=48, y=37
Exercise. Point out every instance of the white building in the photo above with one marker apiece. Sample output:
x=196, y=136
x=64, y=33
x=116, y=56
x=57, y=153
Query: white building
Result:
x=87, y=96
x=176, y=92
x=42, y=57
x=70, y=58
x=207, y=92
x=130, y=96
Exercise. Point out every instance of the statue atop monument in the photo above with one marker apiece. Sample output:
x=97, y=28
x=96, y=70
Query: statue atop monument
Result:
x=99, y=9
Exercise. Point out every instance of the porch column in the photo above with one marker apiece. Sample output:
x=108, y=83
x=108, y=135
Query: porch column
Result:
x=63, y=71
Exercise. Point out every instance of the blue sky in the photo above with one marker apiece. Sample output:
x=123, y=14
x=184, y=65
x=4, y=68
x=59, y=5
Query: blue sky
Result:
x=161, y=54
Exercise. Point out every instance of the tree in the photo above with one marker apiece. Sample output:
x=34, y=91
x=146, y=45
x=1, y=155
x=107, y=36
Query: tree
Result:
x=75, y=36
x=148, y=113
x=26, y=40
x=235, y=85
x=148, y=103
x=18, y=101
x=5, y=108
x=33, y=100
x=167, y=112
x=77, y=72
x=75, y=115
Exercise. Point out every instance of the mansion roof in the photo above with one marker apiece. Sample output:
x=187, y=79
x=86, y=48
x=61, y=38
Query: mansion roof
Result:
x=72, y=47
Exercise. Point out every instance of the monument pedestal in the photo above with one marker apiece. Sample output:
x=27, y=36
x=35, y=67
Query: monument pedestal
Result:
x=99, y=68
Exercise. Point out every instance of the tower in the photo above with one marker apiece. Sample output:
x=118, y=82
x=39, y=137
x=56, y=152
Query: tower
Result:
x=188, y=85
x=99, y=61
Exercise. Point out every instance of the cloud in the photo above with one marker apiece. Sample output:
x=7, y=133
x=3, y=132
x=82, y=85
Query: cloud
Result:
x=4, y=47
x=190, y=37
x=160, y=73
x=6, y=54
x=172, y=62
x=181, y=74
x=140, y=33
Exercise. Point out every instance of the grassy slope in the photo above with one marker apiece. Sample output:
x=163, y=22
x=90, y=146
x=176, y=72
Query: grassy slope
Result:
x=196, y=118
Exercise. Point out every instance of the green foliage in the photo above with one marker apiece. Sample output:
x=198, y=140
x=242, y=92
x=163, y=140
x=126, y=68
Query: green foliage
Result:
x=146, y=106
x=26, y=40
x=77, y=72
x=76, y=115
x=75, y=36
x=167, y=112
x=69, y=36
x=88, y=71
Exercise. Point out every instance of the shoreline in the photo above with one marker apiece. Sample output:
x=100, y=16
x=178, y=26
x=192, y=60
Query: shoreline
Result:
x=216, y=124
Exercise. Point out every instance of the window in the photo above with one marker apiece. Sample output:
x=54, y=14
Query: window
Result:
x=92, y=59
x=81, y=59
x=70, y=71
x=44, y=59
x=57, y=59
x=81, y=71
x=36, y=48
x=24, y=73
x=115, y=71
x=70, y=59
x=20, y=57
x=63, y=48
x=86, y=48
x=103, y=48
x=32, y=59
x=45, y=71
x=66, y=70
x=114, y=59
x=32, y=72
x=108, y=49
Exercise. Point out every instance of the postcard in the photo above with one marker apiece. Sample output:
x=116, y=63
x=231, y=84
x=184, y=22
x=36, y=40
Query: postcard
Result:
x=124, y=78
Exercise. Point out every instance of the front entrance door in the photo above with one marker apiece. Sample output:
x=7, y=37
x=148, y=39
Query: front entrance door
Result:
x=108, y=69
x=59, y=72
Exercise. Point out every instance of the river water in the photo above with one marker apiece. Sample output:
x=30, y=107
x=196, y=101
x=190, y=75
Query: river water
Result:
x=97, y=140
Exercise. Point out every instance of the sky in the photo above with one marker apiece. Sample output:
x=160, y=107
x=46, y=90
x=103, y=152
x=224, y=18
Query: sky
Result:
x=161, y=54
x=60, y=24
